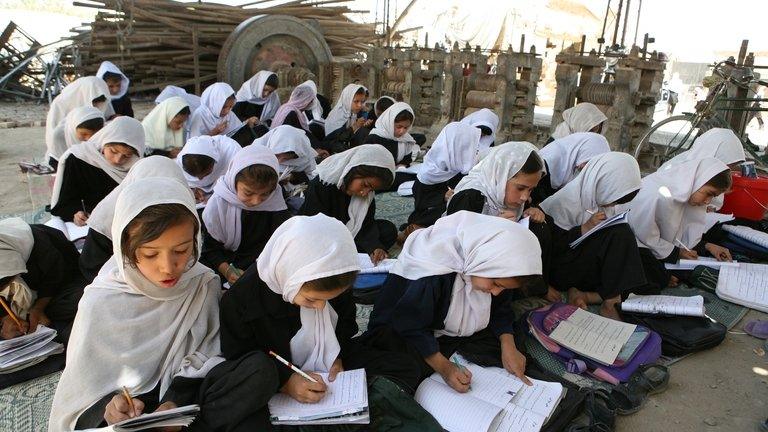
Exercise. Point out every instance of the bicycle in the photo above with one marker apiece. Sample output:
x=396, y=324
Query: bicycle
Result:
x=676, y=134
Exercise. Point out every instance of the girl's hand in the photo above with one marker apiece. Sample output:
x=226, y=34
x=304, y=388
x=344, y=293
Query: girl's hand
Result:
x=322, y=154
x=691, y=255
x=37, y=316
x=118, y=409
x=535, y=214
x=593, y=221
x=335, y=369
x=252, y=121
x=80, y=218
x=360, y=122
x=303, y=390
x=719, y=252
x=368, y=123
x=553, y=295
x=173, y=152
x=459, y=378
x=448, y=194
x=512, y=359
x=378, y=255
x=199, y=195
x=165, y=406
x=510, y=214
x=221, y=127
x=10, y=330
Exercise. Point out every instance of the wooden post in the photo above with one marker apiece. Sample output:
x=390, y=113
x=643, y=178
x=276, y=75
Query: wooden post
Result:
x=196, y=59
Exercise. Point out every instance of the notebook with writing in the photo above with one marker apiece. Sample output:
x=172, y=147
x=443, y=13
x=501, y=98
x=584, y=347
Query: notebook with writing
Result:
x=744, y=285
x=614, y=220
x=664, y=304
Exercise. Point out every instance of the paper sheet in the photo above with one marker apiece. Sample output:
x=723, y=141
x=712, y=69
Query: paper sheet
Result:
x=526, y=221
x=757, y=237
x=406, y=188
x=517, y=419
x=713, y=218
x=593, y=336
x=413, y=169
x=456, y=412
x=744, y=285
x=489, y=385
x=686, y=264
x=664, y=304
x=366, y=265
x=614, y=220
x=541, y=398
x=348, y=392
x=70, y=230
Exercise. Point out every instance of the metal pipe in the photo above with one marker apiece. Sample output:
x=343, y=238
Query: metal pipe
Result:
x=618, y=20
x=637, y=23
x=626, y=18
x=605, y=22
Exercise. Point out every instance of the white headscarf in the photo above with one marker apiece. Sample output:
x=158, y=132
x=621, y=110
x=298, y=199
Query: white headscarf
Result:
x=660, y=212
x=469, y=244
x=107, y=66
x=341, y=114
x=222, y=213
x=129, y=332
x=283, y=139
x=207, y=116
x=334, y=168
x=287, y=262
x=565, y=154
x=252, y=90
x=65, y=134
x=156, y=124
x=316, y=108
x=490, y=175
x=170, y=91
x=455, y=150
x=122, y=130
x=385, y=128
x=78, y=93
x=487, y=118
x=220, y=148
x=606, y=179
x=16, y=242
x=580, y=118
x=153, y=166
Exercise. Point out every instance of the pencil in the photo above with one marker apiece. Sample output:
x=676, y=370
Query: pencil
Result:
x=293, y=368
x=11, y=314
x=130, y=400
x=682, y=245
x=82, y=203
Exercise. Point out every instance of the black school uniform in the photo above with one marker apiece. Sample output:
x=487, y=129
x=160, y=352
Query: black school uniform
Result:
x=82, y=183
x=244, y=110
x=256, y=226
x=255, y=318
x=123, y=106
x=408, y=312
x=473, y=200
x=97, y=250
x=329, y=200
x=391, y=146
x=292, y=119
x=429, y=201
x=543, y=189
x=344, y=138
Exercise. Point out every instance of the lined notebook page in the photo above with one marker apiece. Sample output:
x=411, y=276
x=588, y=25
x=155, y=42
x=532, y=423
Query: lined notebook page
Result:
x=456, y=412
x=517, y=419
x=348, y=391
x=664, y=304
x=757, y=237
x=615, y=220
x=592, y=335
x=744, y=285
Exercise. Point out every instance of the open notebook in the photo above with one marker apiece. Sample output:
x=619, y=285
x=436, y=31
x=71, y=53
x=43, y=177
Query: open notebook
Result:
x=744, y=285
x=498, y=401
x=181, y=416
x=70, y=230
x=688, y=264
x=367, y=266
x=757, y=237
x=593, y=336
x=24, y=351
x=611, y=221
x=664, y=304
x=346, y=402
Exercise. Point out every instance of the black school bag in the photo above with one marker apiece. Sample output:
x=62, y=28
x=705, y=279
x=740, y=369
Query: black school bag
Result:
x=680, y=335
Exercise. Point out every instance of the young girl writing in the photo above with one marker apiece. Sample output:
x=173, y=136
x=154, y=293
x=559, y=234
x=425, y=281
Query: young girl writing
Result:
x=214, y=116
x=204, y=159
x=488, y=122
x=344, y=120
x=164, y=127
x=78, y=126
x=89, y=171
x=583, y=117
x=449, y=291
x=118, y=83
x=344, y=189
x=149, y=324
x=245, y=209
x=294, y=154
x=293, y=113
x=607, y=263
x=258, y=98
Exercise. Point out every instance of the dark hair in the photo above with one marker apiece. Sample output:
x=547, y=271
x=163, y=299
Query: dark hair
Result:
x=184, y=111
x=272, y=81
x=195, y=164
x=383, y=103
x=532, y=165
x=257, y=176
x=361, y=91
x=334, y=282
x=722, y=181
x=361, y=171
x=485, y=130
x=151, y=223
x=404, y=115
x=94, y=124
x=115, y=144
x=101, y=98
x=532, y=285
x=627, y=198
x=111, y=76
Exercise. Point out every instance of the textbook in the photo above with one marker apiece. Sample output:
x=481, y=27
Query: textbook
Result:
x=346, y=402
x=593, y=336
x=497, y=401
x=744, y=285
x=611, y=221
x=181, y=416
x=27, y=350
x=70, y=230
x=664, y=304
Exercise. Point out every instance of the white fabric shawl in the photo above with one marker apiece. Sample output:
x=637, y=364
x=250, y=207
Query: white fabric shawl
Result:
x=158, y=134
x=252, y=90
x=122, y=130
x=660, y=212
x=170, y=91
x=455, y=150
x=469, y=244
x=490, y=175
x=385, y=128
x=334, y=168
x=223, y=212
x=107, y=66
x=65, y=134
x=129, y=332
x=220, y=148
x=341, y=114
x=283, y=139
x=487, y=118
x=604, y=180
x=580, y=118
x=287, y=263
x=16, y=242
x=153, y=166
x=79, y=93
x=565, y=154
x=207, y=115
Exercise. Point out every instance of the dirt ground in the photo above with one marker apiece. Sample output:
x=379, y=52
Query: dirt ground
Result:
x=723, y=389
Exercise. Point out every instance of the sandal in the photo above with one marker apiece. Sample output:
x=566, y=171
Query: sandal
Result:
x=647, y=380
x=654, y=378
x=757, y=328
x=597, y=415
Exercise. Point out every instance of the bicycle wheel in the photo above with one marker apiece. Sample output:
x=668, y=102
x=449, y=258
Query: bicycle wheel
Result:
x=665, y=140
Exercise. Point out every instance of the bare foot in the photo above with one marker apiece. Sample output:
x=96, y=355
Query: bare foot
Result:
x=608, y=309
x=403, y=236
x=553, y=295
x=577, y=298
x=673, y=281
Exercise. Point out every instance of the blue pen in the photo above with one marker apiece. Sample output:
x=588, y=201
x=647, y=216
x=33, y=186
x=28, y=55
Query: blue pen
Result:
x=461, y=367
